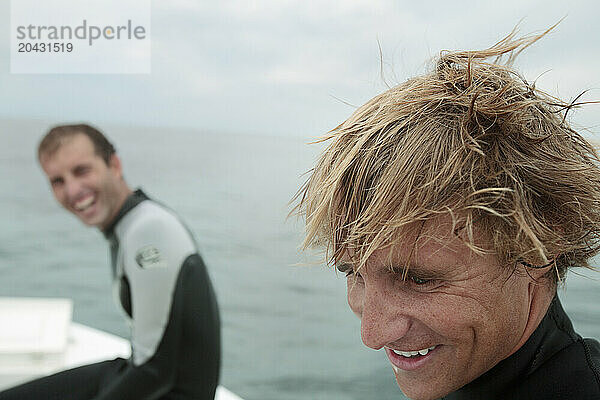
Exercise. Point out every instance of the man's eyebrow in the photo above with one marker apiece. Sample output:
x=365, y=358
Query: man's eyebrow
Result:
x=419, y=270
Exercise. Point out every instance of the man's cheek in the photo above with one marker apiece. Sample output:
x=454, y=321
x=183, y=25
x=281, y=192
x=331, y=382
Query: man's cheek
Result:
x=60, y=197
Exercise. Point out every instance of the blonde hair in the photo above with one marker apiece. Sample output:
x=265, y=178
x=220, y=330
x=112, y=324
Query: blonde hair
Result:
x=472, y=139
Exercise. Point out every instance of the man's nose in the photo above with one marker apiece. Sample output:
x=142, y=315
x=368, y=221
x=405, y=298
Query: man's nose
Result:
x=72, y=187
x=382, y=320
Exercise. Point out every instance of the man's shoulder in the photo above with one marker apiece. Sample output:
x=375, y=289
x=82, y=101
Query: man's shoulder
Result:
x=151, y=223
x=571, y=373
x=592, y=351
x=149, y=215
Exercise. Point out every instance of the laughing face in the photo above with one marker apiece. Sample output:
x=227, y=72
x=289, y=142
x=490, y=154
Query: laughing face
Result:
x=83, y=183
x=453, y=317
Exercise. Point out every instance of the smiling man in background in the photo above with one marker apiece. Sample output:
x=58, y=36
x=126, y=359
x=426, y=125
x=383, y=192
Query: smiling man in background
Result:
x=161, y=282
x=455, y=203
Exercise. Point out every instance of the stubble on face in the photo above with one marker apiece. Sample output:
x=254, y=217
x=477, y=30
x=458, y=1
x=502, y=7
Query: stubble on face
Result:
x=470, y=308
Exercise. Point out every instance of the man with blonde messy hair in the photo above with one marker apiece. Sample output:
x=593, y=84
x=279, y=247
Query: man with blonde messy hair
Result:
x=455, y=203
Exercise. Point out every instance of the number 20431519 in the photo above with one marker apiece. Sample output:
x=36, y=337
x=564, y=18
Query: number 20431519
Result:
x=26, y=47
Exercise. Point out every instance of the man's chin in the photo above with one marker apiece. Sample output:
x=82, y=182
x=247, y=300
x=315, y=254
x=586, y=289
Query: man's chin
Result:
x=91, y=217
x=419, y=390
x=91, y=221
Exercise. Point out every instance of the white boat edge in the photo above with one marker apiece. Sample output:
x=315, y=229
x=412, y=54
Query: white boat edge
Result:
x=83, y=336
x=41, y=339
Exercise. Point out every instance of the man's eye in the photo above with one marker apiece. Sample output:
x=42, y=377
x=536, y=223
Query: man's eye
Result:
x=348, y=270
x=82, y=170
x=56, y=182
x=345, y=269
x=419, y=281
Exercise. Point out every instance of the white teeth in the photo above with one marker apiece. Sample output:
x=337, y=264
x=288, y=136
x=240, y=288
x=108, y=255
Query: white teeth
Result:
x=83, y=204
x=409, y=354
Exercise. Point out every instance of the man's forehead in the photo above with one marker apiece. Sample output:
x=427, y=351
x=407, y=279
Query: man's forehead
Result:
x=437, y=234
x=70, y=151
x=77, y=144
x=433, y=244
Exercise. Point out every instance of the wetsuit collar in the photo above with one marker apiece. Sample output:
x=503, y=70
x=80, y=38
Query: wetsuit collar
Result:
x=554, y=333
x=133, y=200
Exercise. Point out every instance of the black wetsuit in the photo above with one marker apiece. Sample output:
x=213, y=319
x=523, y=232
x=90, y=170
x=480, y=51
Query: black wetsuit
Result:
x=554, y=364
x=165, y=292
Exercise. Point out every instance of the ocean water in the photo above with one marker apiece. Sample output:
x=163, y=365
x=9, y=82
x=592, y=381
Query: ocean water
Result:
x=287, y=331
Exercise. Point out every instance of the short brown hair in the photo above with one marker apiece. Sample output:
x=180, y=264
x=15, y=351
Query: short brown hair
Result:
x=58, y=134
x=472, y=139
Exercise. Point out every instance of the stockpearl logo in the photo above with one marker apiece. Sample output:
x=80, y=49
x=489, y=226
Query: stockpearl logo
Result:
x=92, y=36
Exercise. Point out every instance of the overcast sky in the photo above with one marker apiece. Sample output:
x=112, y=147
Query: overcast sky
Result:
x=289, y=67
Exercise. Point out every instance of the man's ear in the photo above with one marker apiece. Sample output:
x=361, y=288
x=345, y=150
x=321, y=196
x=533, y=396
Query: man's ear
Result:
x=114, y=163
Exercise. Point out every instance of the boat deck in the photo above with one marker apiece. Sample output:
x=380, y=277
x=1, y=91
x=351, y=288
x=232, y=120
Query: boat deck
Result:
x=38, y=338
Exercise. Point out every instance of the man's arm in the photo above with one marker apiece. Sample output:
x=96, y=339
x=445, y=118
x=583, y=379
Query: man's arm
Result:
x=173, y=313
x=156, y=376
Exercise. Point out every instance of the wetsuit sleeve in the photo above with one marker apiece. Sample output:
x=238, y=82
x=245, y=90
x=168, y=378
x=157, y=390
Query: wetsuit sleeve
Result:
x=157, y=252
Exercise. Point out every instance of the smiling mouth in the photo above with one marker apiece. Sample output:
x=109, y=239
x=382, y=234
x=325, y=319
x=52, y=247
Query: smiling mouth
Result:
x=413, y=353
x=84, y=204
x=410, y=360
